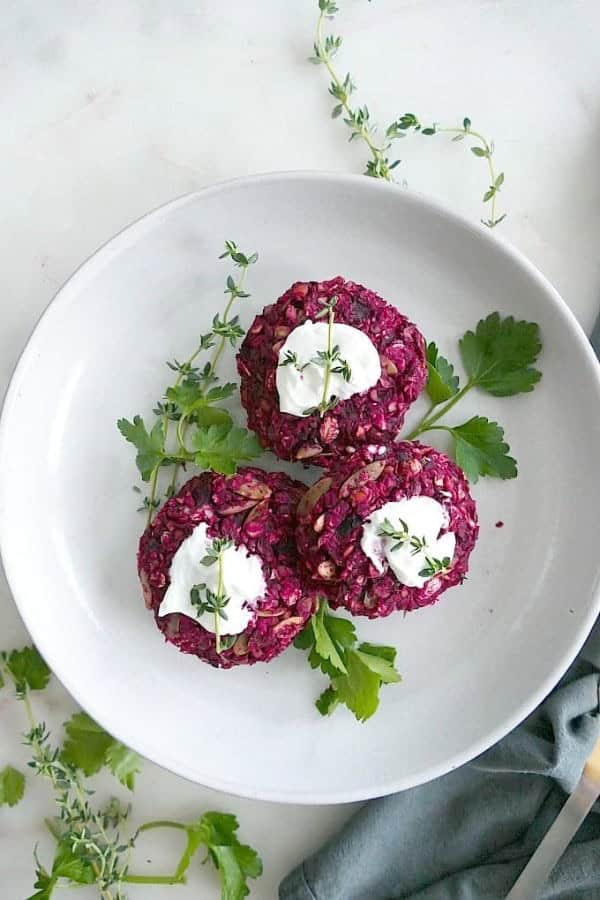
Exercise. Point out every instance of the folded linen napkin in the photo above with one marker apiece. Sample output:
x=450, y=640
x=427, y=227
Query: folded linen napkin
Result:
x=469, y=834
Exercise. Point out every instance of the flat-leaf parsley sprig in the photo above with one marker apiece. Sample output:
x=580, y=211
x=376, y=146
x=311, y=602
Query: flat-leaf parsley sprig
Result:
x=191, y=401
x=358, y=120
x=499, y=358
x=93, y=843
x=356, y=670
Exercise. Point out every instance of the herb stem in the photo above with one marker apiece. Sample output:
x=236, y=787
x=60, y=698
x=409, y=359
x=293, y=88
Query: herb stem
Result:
x=377, y=152
x=325, y=398
x=154, y=879
x=219, y=595
x=428, y=420
x=160, y=823
x=182, y=425
x=488, y=155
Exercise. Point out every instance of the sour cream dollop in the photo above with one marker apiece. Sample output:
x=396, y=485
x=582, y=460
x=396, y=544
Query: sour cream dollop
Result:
x=243, y=582
x=300, y=385
x=424, y=518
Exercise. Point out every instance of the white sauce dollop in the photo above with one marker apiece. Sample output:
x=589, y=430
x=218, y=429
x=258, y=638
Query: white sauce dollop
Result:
x=300, y=391
x=243, y=582
x=424, y=518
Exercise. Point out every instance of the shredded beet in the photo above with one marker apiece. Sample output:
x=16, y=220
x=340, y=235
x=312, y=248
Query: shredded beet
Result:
x=255, y=509
x=371, y=417
x=332, y=512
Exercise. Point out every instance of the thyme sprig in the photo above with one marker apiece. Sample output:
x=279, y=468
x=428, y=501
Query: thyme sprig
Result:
x=192, y=401
x=205, y=600
x=358, y=119
x=291, y=359
x=330, y=359
x=435, y=566
x=402, y=536
x=93, y=843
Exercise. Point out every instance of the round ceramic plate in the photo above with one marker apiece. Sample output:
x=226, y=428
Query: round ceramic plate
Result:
x=473, y=666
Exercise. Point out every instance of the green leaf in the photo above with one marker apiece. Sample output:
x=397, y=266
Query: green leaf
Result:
x=327, y=702
x=428, y=131
x=67, y=864
x=222, y=447
x=28, y=669
x=306, y=638
x=325, y=645
x=466, y=123
x=478, y=151
x=235, y=862
x=150, y=446
x=187, y=396
x=212, y=415
x=221, y=392
x=499, y=180
x=376, y=660
x=499, y=355
x=86, y=745
x=480, y=449
x=123, y=763
x=489, y=194
x=44, y=883
x=359, y=688
x=356, y=673
x=12, y=786
x=442, y=383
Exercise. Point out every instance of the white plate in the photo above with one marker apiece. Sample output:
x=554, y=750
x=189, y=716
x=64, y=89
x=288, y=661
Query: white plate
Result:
x=473, y=666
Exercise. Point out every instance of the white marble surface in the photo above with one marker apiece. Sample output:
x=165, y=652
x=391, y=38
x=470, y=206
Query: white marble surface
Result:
x=109, y=109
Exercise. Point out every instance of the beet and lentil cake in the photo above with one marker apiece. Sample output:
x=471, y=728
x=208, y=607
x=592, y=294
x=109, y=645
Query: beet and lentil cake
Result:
x=332, y=513
x=371, y=417
x=254, y=509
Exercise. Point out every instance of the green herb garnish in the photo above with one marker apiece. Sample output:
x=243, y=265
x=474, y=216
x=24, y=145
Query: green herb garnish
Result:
x=330, y=359
x=93, y=843
x=12, y=786
x=191, y=402
x=401, y=535
x=435, y=566
x=358, y=120
x=499, y=358
x=291, y=359
x=356, y=670
x=203, y=599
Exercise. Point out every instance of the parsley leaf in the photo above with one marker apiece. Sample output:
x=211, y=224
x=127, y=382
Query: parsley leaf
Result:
x=28, y=670
x=12, y=786
x=222, y=447
x=123, y=763
x=150, y=445
x=480, y=449
x=235, y=862
x=86, y=745
x=356, y=671
x=359, y=689
x=500, y=353
x=442, y=383
x=67, y=864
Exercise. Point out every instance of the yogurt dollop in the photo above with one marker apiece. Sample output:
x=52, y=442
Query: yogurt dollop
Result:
x=418, y=522
x=243, y=582
x=300, y=383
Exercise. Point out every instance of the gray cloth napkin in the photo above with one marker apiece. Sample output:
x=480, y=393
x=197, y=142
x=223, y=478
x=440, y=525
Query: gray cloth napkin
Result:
x=468, y=835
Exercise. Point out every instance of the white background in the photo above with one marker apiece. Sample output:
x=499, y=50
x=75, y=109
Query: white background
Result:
x=111, y=108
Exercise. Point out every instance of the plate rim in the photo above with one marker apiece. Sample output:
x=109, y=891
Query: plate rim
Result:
x=115, y=242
